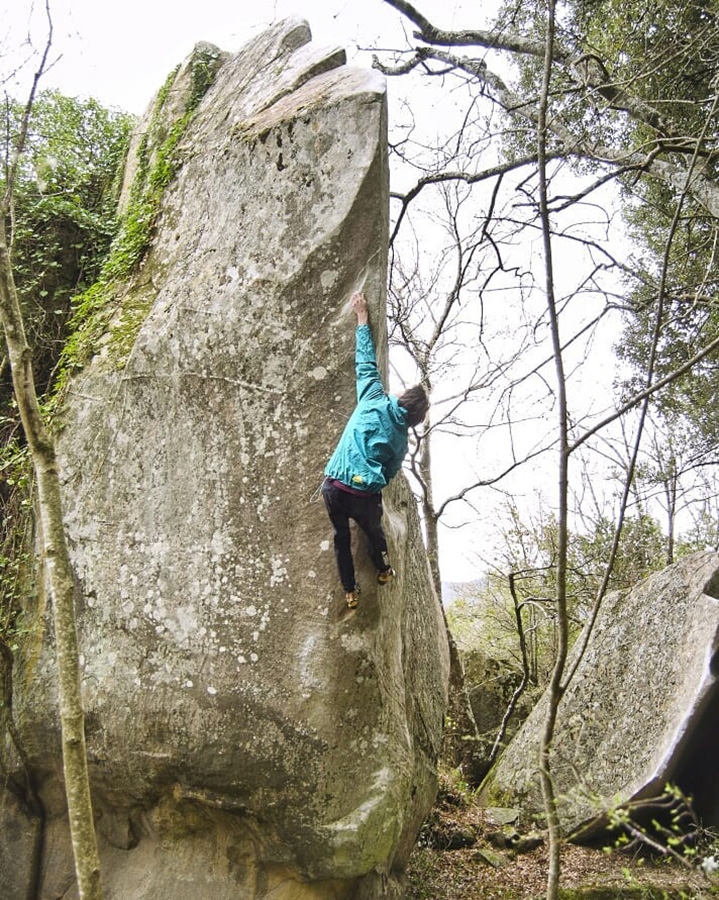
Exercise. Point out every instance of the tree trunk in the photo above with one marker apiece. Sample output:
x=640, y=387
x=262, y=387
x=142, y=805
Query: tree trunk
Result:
x=460, y=743
x=60, y=578
x=555, y=690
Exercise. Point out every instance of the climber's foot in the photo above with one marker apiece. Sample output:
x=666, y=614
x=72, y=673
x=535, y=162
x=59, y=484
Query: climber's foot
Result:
x=386, y=575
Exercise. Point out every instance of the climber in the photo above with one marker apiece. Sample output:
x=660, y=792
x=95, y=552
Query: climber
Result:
x=368, y=455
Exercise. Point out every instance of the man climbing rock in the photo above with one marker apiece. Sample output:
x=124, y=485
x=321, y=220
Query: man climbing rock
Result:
x=368, y=455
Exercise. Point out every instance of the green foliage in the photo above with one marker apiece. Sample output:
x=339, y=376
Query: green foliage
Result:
x=666, y=52
x=158, y=161
x=484, y=618
x=658, y=59
x=65, y=200
x=64, y=220
x=688, y=318
x=667, y=827
x=15, y=535
x=703, y=535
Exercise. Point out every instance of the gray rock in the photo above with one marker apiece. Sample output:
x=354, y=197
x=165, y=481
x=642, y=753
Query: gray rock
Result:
x=640, y=711
x=488, y=857
x=20, y=833
x=495, y=815
x=247, y=737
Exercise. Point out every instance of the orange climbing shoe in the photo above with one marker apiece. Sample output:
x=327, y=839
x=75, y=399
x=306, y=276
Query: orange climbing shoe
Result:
x=351, y=597
x=385, y=576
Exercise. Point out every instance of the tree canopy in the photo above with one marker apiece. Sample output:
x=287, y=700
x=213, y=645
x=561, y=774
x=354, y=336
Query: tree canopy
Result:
x=64, y=216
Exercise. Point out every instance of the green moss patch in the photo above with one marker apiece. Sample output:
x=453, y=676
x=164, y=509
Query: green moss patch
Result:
x=111, y=307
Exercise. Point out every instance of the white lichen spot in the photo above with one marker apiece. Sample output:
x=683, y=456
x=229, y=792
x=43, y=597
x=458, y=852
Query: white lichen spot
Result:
x=232, y=273
x=189, y=683
x=211, y=690
x=250, y=611
x=279, y=572
x=254, y=657
x=241, y=659
x=255, y=635
x=312, y=574
x=328, y=278
x=319, y=373
x=262, y=506
x=352, y=642
x=324, y=546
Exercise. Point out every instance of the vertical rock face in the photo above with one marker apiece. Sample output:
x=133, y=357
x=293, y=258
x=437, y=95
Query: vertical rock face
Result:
x=247, y=737
x=640, y=711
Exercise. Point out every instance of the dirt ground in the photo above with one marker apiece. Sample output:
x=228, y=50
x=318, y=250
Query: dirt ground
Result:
x=460, y=856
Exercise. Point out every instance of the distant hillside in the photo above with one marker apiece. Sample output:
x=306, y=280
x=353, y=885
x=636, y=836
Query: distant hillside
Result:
x=451, y=590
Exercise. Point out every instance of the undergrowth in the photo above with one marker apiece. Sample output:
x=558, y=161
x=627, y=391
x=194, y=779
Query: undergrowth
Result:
x=462, y=855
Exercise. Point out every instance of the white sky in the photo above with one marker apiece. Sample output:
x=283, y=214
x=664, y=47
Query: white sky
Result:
x=121, y=52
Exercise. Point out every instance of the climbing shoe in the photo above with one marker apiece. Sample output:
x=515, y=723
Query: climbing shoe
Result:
x=385, y=576
x=351, y=597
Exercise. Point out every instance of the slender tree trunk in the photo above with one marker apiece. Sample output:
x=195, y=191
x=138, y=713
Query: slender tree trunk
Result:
x=60, y=578
x=430, y=516
x=460, y=741
x=670, y=488
x=519, y=690
x=555, y=683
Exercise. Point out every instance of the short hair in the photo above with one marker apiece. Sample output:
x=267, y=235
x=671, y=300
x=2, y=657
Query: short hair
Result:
x=416, y=402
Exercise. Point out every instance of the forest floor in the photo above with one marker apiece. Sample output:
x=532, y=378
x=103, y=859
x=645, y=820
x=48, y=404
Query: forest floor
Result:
x=459, y=857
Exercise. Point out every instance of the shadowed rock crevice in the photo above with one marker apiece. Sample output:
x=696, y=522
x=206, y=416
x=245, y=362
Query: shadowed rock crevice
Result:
x=711, y=588
x=695, y=771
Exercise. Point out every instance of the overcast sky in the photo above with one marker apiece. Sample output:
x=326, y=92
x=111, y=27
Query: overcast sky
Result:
x=120, y=52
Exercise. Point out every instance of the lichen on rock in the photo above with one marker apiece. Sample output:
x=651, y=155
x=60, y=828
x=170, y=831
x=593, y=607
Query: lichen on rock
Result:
x=244, y=733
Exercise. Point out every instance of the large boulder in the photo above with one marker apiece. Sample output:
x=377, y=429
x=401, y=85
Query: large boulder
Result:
x=639, y=712
x=247, y=736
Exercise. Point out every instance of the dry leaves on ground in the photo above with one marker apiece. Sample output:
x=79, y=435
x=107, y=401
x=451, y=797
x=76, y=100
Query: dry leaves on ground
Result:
x=478, y=870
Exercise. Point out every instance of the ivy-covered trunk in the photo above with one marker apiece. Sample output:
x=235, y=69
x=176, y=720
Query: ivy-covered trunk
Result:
x=60, y=578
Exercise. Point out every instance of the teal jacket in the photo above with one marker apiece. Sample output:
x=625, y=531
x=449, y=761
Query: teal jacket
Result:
x=374, y=442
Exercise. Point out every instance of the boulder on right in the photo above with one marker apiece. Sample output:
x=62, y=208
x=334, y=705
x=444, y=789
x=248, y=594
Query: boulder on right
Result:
x=640, y=711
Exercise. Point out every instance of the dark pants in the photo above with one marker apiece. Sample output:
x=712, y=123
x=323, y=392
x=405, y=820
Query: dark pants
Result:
x=366, y=510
